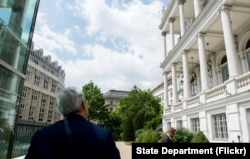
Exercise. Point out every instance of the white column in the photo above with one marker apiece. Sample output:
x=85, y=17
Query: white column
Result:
x=203, y=62
x=172, y=42
x=197, y=7
x=166, y=100
x=232, y=56
x=164, y=45
x=186, y=89
x=181, y=13
x=174, y=83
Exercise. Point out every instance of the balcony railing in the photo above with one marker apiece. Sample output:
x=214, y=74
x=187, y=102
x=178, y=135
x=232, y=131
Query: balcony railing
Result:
x=233, y=86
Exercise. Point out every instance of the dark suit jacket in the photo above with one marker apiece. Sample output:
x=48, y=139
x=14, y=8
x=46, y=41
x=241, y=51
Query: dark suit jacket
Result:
x=74, y=139
x=166, y=139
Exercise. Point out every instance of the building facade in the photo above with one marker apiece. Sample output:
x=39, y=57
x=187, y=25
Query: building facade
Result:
x=207, y=57
x=158, y=92
x=112, y=97
x=17, y=20
x=44, y=80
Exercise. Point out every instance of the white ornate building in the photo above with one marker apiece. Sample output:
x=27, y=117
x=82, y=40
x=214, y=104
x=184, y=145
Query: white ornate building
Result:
x=211, y=56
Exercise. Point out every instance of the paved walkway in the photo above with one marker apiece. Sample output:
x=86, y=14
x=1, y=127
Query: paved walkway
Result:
x=125, y=150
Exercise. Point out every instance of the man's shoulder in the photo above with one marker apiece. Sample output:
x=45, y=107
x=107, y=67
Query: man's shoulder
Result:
x=78, y=122
x=98, y=128
x=49, y=128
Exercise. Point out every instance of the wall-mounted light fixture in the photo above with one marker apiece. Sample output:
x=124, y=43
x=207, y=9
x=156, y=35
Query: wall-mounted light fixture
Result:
x=238, y=137
x=181, y=82
x=193, y=73
x=209, y=62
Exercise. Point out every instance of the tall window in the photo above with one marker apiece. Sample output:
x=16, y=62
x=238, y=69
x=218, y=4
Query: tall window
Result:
x=53, y=88
x=29, y=71
x=220, y=126
x=193, y=89
x=168, y=125
x=34, y=95
x=193, y=84
x=248, y=120
x=224, y=69
x=195, y=125
x=179, y=123
x=46, y=82
x=37, y=77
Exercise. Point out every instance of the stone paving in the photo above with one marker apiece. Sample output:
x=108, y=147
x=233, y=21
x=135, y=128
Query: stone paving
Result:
x=125, y=150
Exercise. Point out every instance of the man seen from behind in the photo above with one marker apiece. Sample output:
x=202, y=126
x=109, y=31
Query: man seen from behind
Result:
x=74, y=137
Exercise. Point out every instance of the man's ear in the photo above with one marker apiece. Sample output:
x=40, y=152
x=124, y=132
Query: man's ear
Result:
x=84, y=105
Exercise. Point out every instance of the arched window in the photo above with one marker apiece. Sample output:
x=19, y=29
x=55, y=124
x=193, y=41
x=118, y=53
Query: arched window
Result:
x=248, y=53
x=248, y=44
x=193, y=84
x=224, y=69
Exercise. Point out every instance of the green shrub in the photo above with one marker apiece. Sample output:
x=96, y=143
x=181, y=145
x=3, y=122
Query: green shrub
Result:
x=183, y=135
x=199, y=138
x=128, y=131
x=148, y=136
x=138, y=132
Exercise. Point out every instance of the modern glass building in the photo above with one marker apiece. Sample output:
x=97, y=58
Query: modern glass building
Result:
x=17, y=20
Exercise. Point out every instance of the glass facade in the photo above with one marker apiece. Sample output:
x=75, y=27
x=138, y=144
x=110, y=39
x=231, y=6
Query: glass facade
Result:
x=17, y=20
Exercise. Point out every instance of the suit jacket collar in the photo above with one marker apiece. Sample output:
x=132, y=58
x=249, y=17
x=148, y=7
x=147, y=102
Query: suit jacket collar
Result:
x=76, y=116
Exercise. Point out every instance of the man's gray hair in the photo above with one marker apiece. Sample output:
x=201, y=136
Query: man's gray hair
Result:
x=70, y=101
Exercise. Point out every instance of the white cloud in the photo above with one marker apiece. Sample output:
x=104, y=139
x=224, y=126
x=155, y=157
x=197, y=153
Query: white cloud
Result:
x=51, y=40
x=123, y=47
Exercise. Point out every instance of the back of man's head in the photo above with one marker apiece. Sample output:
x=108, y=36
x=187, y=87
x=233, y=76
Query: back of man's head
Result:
x=171, y=132
x=70, y=101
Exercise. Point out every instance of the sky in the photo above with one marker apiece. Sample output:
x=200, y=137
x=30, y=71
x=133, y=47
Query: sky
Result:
x=117, y=44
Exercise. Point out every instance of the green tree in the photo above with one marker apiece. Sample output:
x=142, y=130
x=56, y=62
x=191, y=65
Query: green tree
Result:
x=113, y=122
x=128, y=133
x=96, y=102
x=138, y=121
x=140, y=104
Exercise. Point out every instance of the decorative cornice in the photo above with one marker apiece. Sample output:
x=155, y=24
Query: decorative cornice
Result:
x=171, y=19
x=180, y=2
x=163, y=33
x=225, y=7
x=201, y=34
